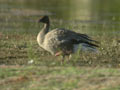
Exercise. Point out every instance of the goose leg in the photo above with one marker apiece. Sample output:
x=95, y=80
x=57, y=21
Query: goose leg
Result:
x=69, y=57
x=63, y=57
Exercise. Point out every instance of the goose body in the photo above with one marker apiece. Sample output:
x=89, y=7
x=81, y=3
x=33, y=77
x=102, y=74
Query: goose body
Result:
x=62, y=41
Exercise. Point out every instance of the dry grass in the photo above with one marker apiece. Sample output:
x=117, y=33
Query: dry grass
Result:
x=19, y=49
x=85, y=71
x=59, y=77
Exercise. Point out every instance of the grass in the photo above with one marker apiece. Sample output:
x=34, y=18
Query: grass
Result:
x=60, y=77
x=85, y=71
x=21, y=48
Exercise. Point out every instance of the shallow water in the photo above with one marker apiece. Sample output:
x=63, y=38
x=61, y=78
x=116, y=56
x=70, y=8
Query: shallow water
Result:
x=87, y=16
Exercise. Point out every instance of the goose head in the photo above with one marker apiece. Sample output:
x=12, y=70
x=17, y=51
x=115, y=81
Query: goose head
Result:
x=44, y=19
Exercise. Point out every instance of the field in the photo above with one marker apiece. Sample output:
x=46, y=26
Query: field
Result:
x=26, y=66
x=85, y=71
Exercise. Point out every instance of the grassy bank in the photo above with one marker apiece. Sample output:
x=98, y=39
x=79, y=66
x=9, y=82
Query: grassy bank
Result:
x=58, y=78
x=22, y=48
x=85, y=71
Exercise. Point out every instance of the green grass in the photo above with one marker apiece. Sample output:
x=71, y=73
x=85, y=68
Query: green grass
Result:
x=21, y=48
x=59, y=77
x=85, y=71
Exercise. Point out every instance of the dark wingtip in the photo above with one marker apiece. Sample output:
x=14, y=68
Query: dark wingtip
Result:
x=92, y=44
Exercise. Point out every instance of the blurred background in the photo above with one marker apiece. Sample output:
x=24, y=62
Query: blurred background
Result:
x=91, y=16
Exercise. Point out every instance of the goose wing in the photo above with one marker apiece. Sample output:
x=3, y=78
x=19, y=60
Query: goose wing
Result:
x=63, y=34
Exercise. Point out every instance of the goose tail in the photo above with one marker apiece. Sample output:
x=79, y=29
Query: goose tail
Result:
x=85, y=46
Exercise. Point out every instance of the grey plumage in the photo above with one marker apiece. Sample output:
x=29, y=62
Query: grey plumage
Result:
x=62, y=40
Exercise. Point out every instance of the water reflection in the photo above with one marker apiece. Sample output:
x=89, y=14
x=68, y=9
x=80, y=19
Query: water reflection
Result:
x=90, y=13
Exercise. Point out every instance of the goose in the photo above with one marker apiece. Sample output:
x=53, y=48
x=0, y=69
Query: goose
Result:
x=61, y=41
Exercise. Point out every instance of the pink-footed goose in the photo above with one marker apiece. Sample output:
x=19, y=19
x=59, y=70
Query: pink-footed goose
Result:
x=61, y=41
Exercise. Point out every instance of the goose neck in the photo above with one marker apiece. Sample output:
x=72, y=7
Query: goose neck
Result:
x=42, y=33
x=46, y=27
